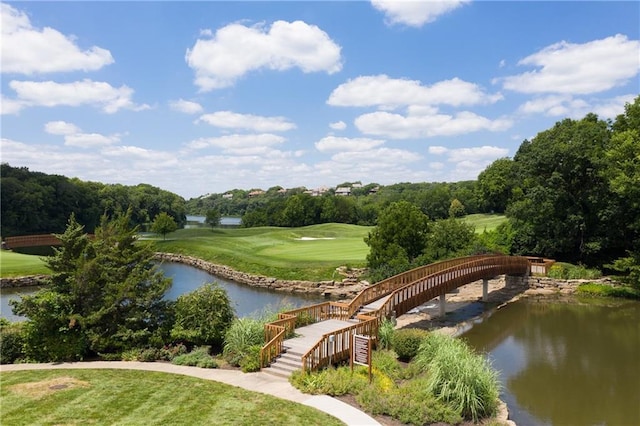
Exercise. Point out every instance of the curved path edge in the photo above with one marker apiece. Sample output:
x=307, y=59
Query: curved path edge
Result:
x=256, y=382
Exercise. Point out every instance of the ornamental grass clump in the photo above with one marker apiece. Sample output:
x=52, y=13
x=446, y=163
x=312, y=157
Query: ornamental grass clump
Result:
x=459, y=377
x=241, y=339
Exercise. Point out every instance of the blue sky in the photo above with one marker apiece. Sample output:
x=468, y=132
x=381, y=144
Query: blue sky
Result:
x=203, y=97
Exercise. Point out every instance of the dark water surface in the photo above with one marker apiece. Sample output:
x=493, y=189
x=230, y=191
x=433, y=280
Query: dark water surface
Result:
x=565, y=362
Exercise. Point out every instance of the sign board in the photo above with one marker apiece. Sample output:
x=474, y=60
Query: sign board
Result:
x=361, y=352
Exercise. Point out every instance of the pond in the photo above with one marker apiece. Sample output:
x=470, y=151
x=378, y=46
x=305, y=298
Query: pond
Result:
x=565, y=361
x=246, y=300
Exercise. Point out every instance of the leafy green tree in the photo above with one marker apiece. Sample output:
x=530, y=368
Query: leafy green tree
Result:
x=399, y=237
x=562, y=207
x=495, y=185
x=448, y=238
x=203, y=316
x=212, y=218
x=456, y=209
x=163, y=224
x=105, y=295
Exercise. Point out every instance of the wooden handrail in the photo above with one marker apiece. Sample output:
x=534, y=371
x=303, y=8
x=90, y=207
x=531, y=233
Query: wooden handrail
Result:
x=406, y=291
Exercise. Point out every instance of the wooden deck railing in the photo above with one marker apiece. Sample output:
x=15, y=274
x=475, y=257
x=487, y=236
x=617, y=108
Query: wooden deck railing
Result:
x=407, y=290
x=31, y=241
x=336, y=346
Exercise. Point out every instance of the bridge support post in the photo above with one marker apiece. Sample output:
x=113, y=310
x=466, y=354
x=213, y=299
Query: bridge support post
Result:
x=443, y=301
x=485, y=289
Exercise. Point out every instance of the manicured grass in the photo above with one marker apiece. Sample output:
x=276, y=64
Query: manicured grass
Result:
x=109, y=397
x=18, y=265
x=307, y=253
x=483, y=222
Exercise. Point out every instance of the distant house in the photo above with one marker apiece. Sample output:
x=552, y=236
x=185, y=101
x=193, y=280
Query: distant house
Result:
x=256, y=193
x=343, y=191
x=227, y=195
x=374, y=190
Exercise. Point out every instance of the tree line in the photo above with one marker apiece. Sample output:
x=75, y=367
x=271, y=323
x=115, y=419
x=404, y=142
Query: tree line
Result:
x=35, y=202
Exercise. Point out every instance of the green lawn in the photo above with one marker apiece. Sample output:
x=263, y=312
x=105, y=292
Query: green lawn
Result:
x=483, y=222
x=307, y=253
x=124, y=397
x=17, y=264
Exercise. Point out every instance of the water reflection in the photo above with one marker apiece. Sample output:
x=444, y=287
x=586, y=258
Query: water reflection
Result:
x=566, y=363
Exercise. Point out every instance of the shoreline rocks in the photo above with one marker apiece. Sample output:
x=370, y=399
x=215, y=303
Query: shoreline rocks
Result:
x=329, y=289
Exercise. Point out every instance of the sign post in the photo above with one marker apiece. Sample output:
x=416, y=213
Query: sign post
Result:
x=361, y=352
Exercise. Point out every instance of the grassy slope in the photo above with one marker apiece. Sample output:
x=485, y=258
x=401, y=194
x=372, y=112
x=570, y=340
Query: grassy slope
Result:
x=484, y=222
x=17, y=265
x=143, y=398
x=277, y=252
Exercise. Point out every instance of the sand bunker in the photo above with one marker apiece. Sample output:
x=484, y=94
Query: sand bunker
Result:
x=313, y=238
x=37, y=390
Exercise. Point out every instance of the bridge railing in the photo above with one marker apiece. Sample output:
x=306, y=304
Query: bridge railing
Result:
x=277, y=331
x=387, y=286
x=31, y=241
x=336, y=345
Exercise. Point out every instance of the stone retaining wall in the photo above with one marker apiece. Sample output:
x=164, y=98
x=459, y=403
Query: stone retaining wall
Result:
x=28, y=281
x=328, y=289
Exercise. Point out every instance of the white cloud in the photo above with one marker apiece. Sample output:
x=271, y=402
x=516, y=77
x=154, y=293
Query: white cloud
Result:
x=85, y=92
x=10, y=106
x=73, y=135
x=579, y=69
x=382, y=91
x=236, y=49
x=235, y=142
x=568, y=106
x=415, y=13
x=232, y=120
x=29, y=50
x=333, y=143
x=465, y=163
x=411, y=126
x=188, y=107
x=338, y=125
x=61, y=128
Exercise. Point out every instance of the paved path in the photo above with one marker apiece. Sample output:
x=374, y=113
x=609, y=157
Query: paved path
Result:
x=257, y=382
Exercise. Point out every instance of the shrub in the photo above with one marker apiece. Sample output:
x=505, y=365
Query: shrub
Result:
x=386, y=331
x=243, y=334
x=406, y=342
x=386, y=361
x=458, y=376
x=567, y=271
x=304, y=318
x=203, y=316
x=604, y=290
x=409, y=403
x=150, y=355
x=199, y=357
x=250, y=362
x=12, y=341
x=171, y=351
x=330, y=381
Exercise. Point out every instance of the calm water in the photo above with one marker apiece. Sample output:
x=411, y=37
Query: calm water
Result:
x=565, y=363
x=247, y=300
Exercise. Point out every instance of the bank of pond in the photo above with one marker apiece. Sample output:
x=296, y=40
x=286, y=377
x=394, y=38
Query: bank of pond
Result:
x=561, y=360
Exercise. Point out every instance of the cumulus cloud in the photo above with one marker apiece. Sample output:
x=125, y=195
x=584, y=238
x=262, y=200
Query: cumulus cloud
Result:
x=232, y=120
x=415, y=13
x=338, y=125
x=569, y=106
x=29, y=50
x=86, y=92
x=579, y=69
x=188, y=107
x=237, y=141
x=73, y=135
x=414, y=125
x=220, y=60
x=10, y=106
x=465, y=163
x=333, y=143
x=386, y=92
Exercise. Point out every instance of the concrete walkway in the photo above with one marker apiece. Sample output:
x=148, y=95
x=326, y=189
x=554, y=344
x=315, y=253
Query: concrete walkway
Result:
x=256, y=382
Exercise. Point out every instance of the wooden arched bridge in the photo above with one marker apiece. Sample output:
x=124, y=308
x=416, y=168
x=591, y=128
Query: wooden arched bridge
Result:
x=324, y=332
